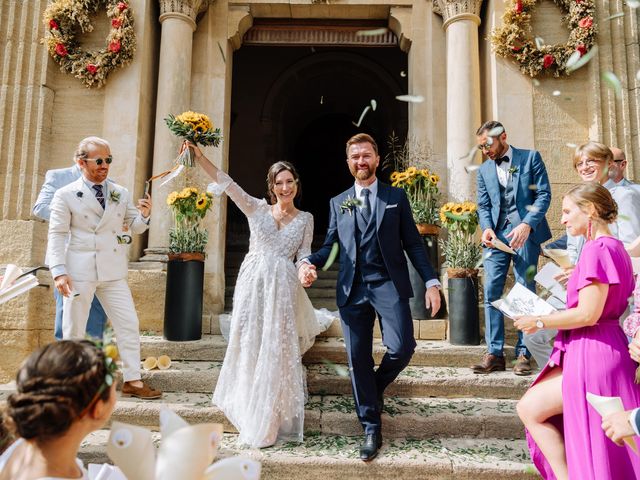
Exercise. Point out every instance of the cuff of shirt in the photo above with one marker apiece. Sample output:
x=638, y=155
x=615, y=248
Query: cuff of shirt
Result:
x=433, y=283
x=58, y=270
x=632, y=419
x=147, y=220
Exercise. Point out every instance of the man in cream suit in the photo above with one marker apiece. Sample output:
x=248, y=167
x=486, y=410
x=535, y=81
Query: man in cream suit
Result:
x=55, y=179
x=90, y=212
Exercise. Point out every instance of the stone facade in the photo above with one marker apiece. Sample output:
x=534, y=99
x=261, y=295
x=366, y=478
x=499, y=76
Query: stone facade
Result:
x=184, y=59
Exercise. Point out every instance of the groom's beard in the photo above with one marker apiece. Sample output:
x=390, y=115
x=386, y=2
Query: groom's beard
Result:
x=361, y=174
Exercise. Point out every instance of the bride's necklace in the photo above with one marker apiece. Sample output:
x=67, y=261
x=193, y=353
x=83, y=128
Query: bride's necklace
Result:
x=280, y=214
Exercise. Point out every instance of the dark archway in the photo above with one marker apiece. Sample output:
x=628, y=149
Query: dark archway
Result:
x=300, y=104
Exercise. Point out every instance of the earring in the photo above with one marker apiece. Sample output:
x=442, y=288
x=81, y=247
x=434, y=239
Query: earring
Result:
x=589, y=230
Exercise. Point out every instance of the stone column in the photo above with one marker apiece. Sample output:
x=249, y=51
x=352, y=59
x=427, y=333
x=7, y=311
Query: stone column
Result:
x=178, y=19
x=461, y=20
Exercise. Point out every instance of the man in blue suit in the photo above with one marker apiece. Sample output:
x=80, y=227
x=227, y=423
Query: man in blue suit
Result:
x=373, y=226
x=513, y=198
x=53, y=180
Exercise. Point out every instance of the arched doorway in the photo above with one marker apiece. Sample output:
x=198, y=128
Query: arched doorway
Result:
x=300, y=104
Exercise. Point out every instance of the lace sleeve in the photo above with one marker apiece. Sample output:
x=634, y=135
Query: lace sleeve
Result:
x=225, y=184
x=305, y=247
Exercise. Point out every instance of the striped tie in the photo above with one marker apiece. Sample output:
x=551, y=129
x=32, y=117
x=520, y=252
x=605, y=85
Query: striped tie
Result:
x=99, y=194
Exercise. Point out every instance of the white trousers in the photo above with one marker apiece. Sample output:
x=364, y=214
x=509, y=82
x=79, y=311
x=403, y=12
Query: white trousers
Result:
x=117, y=302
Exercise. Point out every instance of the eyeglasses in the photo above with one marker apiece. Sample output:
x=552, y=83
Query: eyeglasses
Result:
x=619, y=160
x=99, y=160
x=589, y=162
x=485, y=146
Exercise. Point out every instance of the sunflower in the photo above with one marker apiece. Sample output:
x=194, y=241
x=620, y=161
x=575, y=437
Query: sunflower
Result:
x=443, y=217
x=402, y=177
x=447, y=207
x=411, y=171
x=434, y=179
x=457, y=209
x=394, y=184
x=202, y=202
x=394, y=176
x=171, y=198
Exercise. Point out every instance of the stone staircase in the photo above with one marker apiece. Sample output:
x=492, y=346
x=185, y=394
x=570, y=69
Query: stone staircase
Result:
x=440, y=421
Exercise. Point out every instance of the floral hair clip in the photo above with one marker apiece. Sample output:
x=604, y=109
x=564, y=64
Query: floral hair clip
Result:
x=110, y=350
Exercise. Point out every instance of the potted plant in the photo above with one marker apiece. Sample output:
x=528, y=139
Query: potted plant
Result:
x=185, y=268
x=463, y=253
x=410, y=162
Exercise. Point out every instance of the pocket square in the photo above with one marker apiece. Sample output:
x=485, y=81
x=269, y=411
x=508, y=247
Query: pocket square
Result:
x=391, y=206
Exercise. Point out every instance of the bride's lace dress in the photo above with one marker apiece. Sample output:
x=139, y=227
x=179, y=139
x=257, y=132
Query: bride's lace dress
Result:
x=261, y=388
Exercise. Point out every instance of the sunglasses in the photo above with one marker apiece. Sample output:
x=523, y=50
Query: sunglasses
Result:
x=99, y=160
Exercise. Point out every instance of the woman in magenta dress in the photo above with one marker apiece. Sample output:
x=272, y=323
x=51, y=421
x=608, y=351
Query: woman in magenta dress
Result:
x=590, y=353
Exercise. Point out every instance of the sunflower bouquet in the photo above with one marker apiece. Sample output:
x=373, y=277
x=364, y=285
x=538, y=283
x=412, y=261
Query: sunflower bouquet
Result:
x=194, y=127
x=461, y=248
x=189, y=206
x=421, y=187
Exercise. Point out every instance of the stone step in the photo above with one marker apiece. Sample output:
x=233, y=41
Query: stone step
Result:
x=322, y=457
x=332, y=379
x=418, y=418
x=428, y=353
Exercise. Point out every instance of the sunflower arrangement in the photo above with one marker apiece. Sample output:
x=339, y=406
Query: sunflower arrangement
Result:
x=462, y=248
x=189, y=206
x=421, y=186
x=194, y=127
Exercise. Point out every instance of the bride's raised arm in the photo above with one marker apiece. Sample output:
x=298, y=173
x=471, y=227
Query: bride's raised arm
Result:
x=224, y=183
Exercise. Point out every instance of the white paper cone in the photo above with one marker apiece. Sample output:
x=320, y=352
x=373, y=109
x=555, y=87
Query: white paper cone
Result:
x=10, y=274
x=170, y=422
x=132, y=450
x=608, y=405
x=235, y=468
x=187, y=452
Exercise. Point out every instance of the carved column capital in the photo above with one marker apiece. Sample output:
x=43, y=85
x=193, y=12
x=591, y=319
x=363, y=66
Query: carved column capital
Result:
x=186, y=10
x=454, y=10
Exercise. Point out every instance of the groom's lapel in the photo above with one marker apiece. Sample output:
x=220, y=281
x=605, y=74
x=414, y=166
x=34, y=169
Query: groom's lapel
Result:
x=381, y=202
x=349, y=223
x=516, y=162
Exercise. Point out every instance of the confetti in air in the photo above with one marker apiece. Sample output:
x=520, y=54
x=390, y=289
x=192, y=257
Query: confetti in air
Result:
x=403, y=73
x=371, y=33
x=410, y=98
x=374, y=105
x=556, y=93
x=539, y=43
x=571, y=145
x=362, y=115
x=494, y=132
x=613, y=17
x=584, y=59
x=613, y=82
x=532, y=208
x=321, y=99
x=536, y=82
x=633, y=3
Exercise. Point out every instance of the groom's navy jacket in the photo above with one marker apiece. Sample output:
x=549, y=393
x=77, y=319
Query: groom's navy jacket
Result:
x=396, y=233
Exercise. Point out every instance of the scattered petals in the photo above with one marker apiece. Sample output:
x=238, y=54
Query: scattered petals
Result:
x=533, y=187
x=374, y=105
x=612, y=17
x=532, y=208
x=571, y=145
x=539, y=43
x=556, y=93
x=321, y=99
x=536, y=82
x=364, y=112
x=613, y=82
x=573, y=59
x=403, y=73
x=633, y=3
x=584, y=59
x=494, y=132
x=410, y=98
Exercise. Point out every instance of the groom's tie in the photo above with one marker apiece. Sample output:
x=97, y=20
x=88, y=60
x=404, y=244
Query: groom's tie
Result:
x=366, y=208
x=99, y=195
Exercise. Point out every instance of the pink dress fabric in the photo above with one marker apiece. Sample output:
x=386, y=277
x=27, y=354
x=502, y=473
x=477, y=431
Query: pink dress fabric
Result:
x=594, y=359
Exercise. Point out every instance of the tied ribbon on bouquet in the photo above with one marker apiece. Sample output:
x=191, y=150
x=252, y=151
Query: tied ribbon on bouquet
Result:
x=186, y=452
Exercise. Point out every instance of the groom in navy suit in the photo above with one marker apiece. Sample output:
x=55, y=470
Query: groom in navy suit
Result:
x=513, y=198
x=373, y=225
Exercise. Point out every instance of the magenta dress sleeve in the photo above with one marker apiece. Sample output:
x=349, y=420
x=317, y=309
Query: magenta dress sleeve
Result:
x=596, y=265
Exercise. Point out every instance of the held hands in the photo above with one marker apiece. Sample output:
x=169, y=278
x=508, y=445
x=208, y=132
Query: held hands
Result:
x=634, y=347
x=144, y=205
x=307, y=274
x=616, y=426
x=432, y=299
x=518, y=236
x=64, y=285
x=526, y=323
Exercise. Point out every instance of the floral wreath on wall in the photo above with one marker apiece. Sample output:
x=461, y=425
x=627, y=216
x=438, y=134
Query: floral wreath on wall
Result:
x=63, y=19
x=513, y=38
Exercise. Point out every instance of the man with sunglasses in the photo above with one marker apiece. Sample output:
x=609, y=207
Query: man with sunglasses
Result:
x=91, y=212
x=513, y=197
x=54, y=180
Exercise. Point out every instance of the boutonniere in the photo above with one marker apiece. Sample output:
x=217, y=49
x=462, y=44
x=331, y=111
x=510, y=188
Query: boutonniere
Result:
x=350, y=204
x=513, y=170
x=114, y=196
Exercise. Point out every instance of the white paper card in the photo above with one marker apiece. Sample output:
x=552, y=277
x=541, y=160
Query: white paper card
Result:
x=561, y=257
x=522, y=301
x=546, y=278
x=606, y=406
x=500, y=245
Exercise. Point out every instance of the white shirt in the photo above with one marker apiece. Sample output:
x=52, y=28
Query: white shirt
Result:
x=503, y=169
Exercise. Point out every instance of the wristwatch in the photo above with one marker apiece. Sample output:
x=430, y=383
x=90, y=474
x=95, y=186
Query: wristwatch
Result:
x=539, y=323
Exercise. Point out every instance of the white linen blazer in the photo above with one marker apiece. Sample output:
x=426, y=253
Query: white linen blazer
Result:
x=93, y=252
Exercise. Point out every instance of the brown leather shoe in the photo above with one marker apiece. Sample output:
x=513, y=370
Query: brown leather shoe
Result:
x=144, y=392
x=490, y=363
x=522, y=366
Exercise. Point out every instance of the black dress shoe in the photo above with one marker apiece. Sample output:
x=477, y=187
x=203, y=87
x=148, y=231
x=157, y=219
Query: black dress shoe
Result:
x=369, y=449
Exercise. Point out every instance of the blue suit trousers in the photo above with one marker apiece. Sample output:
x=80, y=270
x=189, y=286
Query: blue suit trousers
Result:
x=95, y=324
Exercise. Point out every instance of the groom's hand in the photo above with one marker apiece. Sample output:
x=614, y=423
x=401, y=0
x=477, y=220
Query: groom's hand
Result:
x=307, y=274
x=432, y=299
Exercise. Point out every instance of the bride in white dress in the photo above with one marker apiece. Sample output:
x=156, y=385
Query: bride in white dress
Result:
x=261, y=387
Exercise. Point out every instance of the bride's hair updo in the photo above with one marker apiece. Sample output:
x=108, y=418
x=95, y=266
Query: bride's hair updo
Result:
x=54, y=385
x=273, y=172
x=592, y=193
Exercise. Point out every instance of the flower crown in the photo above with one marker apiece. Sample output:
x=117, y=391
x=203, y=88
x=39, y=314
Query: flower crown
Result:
x=110, y=350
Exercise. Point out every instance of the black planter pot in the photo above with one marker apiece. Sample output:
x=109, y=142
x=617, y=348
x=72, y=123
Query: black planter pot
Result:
x=183, y=298
x=416, y=304
x=464, y=316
